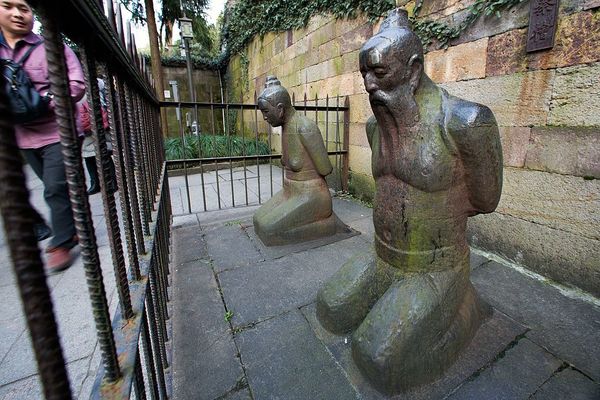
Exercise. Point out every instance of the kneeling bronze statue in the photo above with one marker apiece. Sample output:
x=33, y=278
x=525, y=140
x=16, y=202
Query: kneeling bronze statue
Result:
x=302, y=210
x=436, y=160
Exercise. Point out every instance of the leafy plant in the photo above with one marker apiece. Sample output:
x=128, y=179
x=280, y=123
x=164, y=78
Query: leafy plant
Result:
x=228, y=315
x=428, y=30
x=248, y=18
x=213, y=146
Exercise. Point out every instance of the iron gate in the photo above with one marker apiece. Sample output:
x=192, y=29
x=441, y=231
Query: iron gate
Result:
x=247, y=177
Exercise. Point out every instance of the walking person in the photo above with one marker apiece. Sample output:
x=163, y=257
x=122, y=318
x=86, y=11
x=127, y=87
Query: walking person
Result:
x=39, y=140
x=88, y=150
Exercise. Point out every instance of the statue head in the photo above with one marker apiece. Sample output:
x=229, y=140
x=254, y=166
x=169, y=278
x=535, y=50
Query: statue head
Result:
x=274, y=102
x=391, y=62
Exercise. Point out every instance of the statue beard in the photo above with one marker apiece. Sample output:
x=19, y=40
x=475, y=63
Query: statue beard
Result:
x=396, y=113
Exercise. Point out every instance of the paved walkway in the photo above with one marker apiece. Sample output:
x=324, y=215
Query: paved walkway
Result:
x=235, y=186
x=18, y=369
x=540, y=344
x=245, y=328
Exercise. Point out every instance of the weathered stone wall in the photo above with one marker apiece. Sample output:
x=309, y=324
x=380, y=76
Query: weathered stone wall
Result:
x=204, y=82
x=546, y=104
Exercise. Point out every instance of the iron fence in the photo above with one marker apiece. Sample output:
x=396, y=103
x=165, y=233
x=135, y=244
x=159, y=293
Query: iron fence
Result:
x=132, y=343
x=241, y=122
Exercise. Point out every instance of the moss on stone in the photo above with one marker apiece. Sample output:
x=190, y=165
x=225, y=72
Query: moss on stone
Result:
x=362, y=187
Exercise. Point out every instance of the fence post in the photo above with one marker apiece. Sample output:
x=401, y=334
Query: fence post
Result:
x=345, y=163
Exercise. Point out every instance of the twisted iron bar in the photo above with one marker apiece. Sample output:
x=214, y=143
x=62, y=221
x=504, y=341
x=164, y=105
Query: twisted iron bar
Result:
x=108, y=197
x=70, y=143
x=137, y=165
x=116, y=125
x=148, y=358
x=126, y=135
x=156, y=314
x=18, y=219
x=149, y=169
x=151, y=329
x=138, y=379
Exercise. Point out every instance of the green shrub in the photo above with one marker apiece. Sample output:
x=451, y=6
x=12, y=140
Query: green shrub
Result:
x=213, y=146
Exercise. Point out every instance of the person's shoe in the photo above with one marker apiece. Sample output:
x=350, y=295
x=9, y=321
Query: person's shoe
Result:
x=93, y=189
x=42, y=231
x=59, y=259
x=72, y=243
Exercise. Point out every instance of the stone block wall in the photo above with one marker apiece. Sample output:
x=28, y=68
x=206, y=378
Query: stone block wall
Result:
x=546, y=103
x=320, y=60
x=205, y=81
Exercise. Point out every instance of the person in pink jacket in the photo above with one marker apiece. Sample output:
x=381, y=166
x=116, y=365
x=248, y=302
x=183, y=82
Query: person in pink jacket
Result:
x=39, y=140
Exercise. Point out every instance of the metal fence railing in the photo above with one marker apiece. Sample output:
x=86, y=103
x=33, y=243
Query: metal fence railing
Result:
x=133, y=342
x=243, y=124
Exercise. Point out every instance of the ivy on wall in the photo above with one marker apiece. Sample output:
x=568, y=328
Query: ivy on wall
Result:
x=248, y=18
x=428, y=30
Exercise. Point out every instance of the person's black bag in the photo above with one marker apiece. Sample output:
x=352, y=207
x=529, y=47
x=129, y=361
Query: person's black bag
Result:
x=24, y=102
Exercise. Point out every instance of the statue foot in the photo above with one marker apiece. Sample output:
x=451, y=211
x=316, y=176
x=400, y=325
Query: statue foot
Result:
x=417, y=329
x=346, y=298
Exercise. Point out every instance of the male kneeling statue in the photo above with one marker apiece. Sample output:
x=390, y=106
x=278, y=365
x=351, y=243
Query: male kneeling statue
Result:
x=436, y=161
x=302, y=210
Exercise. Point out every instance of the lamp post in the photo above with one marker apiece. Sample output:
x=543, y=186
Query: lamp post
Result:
x=187, y=33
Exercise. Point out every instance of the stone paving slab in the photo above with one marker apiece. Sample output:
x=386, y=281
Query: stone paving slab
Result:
x=204, y=355
x=205, y=361
x=568, y=328
x=243, y=394
x=263, y=290
x=284, y=360
x=188, y=244
x=364, y=226
x=30, y=387
x=477, y=260
x=342, y=232
x=349, y=210
x=517, y=375
x=568, y=384
x=230, y=247
x=495, y=335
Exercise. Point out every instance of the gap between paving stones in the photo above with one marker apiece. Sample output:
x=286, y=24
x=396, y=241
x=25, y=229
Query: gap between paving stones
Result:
x=242, y=383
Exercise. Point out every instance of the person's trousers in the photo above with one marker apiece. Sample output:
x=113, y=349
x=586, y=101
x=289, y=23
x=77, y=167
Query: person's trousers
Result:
x=90, y=163
x=47, y=163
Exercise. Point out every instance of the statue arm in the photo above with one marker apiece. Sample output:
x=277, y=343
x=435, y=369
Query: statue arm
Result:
x=313, y=143
x=474, y=133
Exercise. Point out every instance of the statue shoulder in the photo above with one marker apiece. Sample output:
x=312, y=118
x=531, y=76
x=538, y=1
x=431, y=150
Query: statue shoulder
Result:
x=305, y=125
x=462, y=115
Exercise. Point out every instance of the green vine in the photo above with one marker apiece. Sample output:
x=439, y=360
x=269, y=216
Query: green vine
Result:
x=244, y=64
x=429, y=30
x=249, y=18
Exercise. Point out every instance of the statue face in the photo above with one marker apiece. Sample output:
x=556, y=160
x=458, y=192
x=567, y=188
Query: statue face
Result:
x=385, y=71
x=274, y=115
